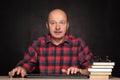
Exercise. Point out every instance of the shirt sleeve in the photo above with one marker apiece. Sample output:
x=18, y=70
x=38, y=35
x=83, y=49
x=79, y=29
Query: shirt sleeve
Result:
x=30, y=59
x=85, y=55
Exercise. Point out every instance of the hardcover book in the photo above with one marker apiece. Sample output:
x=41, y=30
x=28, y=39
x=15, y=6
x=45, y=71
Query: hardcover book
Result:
x=99, y=70
x=102, y=66
x=104, y=63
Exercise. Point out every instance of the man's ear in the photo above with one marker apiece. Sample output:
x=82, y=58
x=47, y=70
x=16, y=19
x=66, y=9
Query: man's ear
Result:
x=47, y=25
x=67, y=25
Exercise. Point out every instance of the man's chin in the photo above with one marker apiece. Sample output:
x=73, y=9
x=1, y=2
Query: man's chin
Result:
x=58, y=37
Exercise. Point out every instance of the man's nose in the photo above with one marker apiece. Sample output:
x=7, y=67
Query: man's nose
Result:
x=57, y=26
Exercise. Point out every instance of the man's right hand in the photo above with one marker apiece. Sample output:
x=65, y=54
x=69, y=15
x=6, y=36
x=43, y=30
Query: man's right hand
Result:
x=17, y=71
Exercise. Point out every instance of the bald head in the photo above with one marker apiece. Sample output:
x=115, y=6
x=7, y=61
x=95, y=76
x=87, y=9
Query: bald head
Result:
x=57, y=12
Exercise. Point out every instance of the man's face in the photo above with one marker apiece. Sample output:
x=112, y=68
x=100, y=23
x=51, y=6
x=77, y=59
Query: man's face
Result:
x=57, y=24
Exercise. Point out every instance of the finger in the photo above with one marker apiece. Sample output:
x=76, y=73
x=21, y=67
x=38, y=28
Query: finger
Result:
x=68, y=71
x=10, y=74
x=64, y=71
x=79, y=70
x=72, y=70
x=75, y=70
x=18, y=71
x=23, y=73
x=13, y=72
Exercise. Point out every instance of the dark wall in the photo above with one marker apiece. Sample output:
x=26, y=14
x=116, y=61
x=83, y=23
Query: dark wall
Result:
x=22, y=21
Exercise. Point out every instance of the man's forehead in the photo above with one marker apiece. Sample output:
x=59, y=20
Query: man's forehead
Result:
x=57, y=11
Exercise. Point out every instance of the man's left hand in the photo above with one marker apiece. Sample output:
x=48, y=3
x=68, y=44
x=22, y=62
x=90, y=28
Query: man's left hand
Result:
x=71, y=70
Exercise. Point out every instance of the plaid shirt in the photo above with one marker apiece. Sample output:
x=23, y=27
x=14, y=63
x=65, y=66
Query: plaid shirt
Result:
x=52, y=58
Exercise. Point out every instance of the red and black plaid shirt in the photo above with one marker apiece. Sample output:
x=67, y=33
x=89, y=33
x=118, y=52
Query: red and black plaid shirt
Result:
x=52, y=58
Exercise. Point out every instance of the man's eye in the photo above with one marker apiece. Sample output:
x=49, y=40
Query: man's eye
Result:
x=62, y=22
x=52, y=23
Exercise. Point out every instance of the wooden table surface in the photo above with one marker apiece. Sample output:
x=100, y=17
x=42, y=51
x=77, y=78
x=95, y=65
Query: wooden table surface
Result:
x=7, y=78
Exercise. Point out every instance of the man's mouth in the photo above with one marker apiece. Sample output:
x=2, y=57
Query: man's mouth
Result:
x=57, y=31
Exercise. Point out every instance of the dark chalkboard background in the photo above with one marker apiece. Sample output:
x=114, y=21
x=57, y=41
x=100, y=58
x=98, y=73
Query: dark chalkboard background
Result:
x=22, y=21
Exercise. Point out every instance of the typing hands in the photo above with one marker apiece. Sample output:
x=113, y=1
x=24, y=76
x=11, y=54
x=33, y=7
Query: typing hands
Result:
x=22, y=73
x=17, y=71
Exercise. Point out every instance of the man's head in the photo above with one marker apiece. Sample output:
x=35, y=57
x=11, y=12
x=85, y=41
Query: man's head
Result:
x=57, y=23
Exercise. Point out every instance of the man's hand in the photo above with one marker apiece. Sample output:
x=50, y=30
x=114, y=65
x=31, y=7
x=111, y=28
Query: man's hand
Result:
x=18, y=70
x=75, y=70
x=71, y=70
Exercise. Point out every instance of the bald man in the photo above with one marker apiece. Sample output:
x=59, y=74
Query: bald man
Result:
x=57, y=52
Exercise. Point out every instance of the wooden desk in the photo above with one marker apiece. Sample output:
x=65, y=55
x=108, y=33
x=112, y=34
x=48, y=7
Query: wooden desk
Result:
x=7, y=78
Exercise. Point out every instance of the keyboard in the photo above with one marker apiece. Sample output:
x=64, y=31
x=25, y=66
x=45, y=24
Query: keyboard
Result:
x=58, y=76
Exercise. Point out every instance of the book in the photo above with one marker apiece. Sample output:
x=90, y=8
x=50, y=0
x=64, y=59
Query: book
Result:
x=102, y=66
x=100, y=73
x=104, y=63
x=99, y=77
x=100, y=70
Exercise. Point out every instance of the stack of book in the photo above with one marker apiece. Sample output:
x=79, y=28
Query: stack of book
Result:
x=101, y=70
